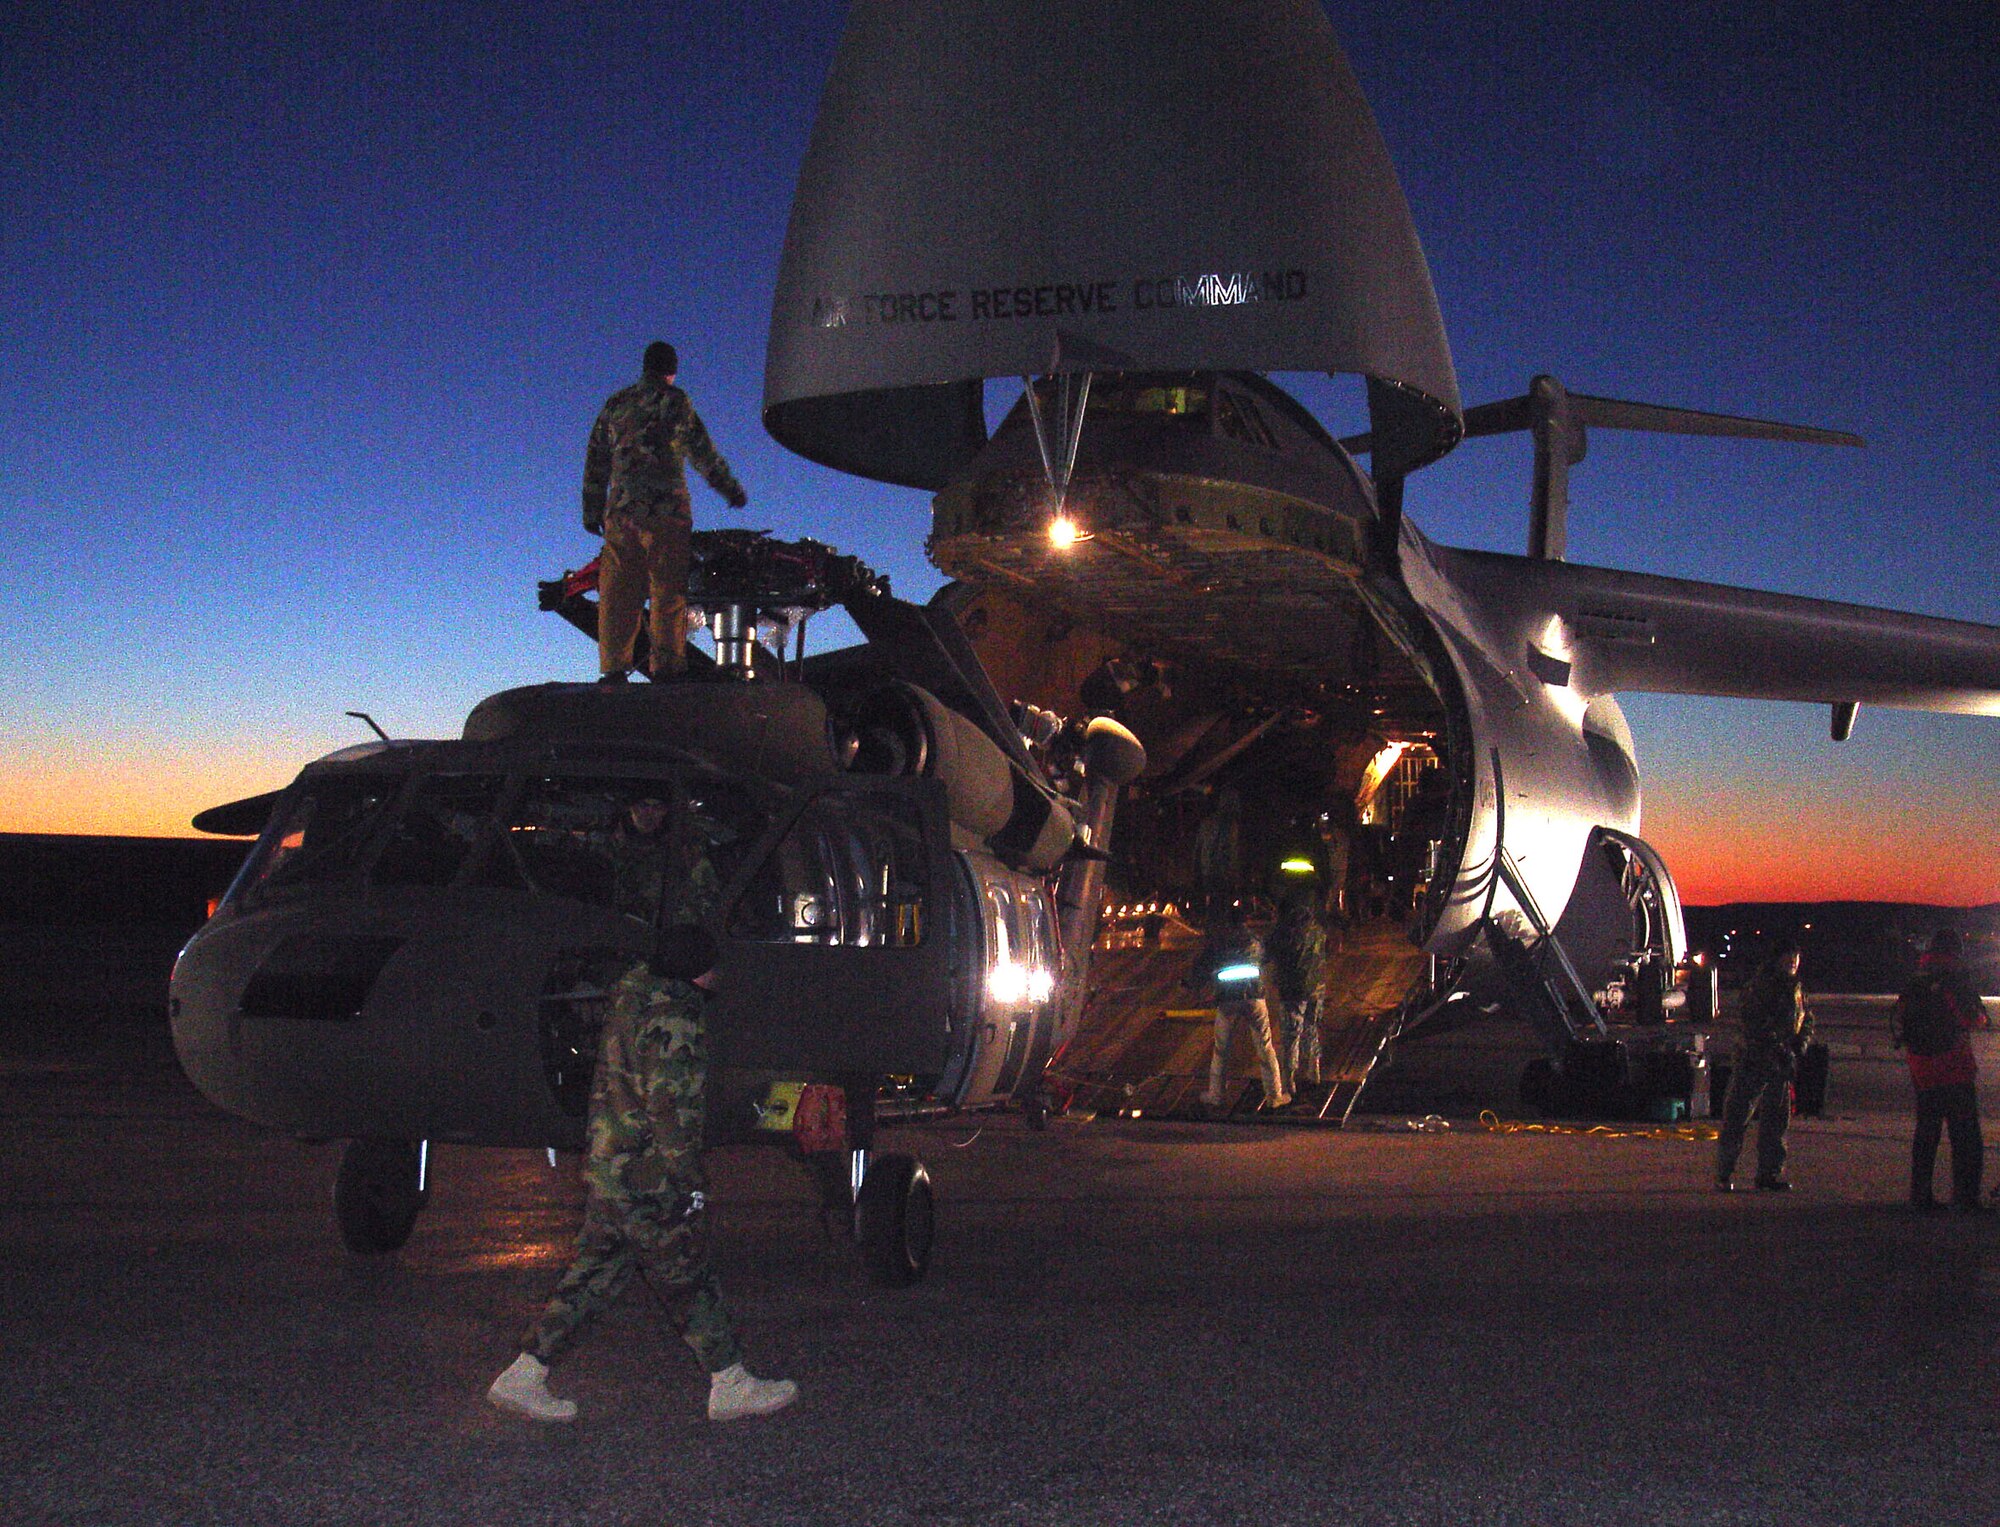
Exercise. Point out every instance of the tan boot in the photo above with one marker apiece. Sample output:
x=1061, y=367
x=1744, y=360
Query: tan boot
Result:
x=735, y=1395
x=524, y=1389
x=1275, y=1095
x=1217, y=1065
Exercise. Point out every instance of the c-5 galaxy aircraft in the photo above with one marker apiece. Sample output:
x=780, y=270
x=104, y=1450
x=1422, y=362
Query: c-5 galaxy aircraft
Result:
x=1172, y=583
x=1145, y=211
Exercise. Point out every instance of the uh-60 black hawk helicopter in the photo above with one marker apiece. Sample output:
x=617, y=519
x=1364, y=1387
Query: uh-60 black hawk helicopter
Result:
x=1172, y=583
x=421, y=943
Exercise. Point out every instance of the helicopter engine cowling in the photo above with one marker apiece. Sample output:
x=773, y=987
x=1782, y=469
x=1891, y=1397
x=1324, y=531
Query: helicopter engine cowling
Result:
x=900, y=729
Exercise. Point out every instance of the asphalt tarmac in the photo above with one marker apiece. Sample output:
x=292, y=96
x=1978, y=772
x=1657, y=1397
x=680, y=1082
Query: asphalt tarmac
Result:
x=1126, y=1322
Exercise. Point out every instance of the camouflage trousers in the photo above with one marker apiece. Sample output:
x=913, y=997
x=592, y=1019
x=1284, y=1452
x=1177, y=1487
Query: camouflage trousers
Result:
x=1762, y=1081
x=645, y=561
x=654, y=1234
x=1299, y=1041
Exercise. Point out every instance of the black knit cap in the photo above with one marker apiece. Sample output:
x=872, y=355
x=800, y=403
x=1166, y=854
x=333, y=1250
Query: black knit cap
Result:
x=661, y=359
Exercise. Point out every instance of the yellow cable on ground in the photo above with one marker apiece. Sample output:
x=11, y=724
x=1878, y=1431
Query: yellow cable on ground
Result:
x=1691, y=1132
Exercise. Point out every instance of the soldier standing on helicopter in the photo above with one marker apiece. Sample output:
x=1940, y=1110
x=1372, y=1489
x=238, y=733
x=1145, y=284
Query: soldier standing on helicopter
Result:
x=635, y=495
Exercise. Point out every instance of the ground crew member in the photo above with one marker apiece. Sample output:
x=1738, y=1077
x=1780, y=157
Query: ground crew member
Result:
x=1298, y=965
x=647, y=1210
x=635, y=495
x=1936, y=1013
x=1232, y=958
x=1776, y=1029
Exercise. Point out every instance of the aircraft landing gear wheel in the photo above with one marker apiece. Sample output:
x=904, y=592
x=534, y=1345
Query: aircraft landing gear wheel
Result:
x=377, y=1193
x=1035, y=1109
x=895, y=1220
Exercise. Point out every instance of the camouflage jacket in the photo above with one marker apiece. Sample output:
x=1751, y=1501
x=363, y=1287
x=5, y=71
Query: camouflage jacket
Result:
x=649, y=1096
x=1298, y=958
x=638, y=868
x=633, y=465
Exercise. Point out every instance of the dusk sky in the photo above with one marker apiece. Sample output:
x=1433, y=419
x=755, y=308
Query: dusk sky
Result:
x=308, y=310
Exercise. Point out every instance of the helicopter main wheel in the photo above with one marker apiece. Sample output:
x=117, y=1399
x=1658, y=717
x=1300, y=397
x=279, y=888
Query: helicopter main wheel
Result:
x=895, y=1220
x=377, y=1194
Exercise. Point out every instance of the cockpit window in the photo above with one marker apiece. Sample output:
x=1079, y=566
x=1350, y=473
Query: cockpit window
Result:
x=1175, y=400
x=559, y=839
x=320, y=831
x=1173, y=396
x=619, y=843
x=438, y=830
x=1237, y=417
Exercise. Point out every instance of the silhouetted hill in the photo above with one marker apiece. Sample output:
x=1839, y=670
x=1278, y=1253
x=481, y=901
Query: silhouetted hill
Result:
x=1850, y=946
x=55, y=880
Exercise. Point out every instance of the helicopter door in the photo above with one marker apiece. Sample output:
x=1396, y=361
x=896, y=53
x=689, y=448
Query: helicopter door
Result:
x=836, y=950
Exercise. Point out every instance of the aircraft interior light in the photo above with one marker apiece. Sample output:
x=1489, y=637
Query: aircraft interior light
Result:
x=1064, y=533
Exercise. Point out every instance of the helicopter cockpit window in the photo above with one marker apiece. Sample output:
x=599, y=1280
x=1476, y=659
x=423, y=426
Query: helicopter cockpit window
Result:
x=609, y=841
x=566, y=837
x=438, y=830
x=319, y=833
x=1020, y=945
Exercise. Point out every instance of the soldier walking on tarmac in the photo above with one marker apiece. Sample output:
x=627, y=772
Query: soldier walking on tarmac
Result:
x=1776, y=1029
x=635, y=495
x=647, y=1210
x=1298, y=962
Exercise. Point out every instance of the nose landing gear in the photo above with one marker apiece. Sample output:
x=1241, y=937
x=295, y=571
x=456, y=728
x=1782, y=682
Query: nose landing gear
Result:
x=378, y=1192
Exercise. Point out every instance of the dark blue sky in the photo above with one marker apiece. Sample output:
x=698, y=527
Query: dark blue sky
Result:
x=309, y=309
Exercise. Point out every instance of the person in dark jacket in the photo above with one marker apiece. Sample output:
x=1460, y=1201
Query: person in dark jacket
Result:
x=1776, y=1029
x=1934, y=1020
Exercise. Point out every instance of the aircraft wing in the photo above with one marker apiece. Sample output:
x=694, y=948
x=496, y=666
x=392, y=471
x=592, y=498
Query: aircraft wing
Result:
x=1636, y=631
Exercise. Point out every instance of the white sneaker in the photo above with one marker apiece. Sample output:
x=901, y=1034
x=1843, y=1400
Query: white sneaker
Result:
x=524, y=1389
x=735, y=1395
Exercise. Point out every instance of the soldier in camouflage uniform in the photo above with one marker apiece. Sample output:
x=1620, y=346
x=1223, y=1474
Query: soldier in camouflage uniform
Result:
x=635, y=495
x=1298, y=961
x=638, y=847
x=647, y=1207
x=1776, y=1029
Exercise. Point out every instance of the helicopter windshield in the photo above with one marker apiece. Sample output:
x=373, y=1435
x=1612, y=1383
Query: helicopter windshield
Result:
x=439, y=828
x=320, y=832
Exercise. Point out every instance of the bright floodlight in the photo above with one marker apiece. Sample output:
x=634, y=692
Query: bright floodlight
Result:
x=1063, y=532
